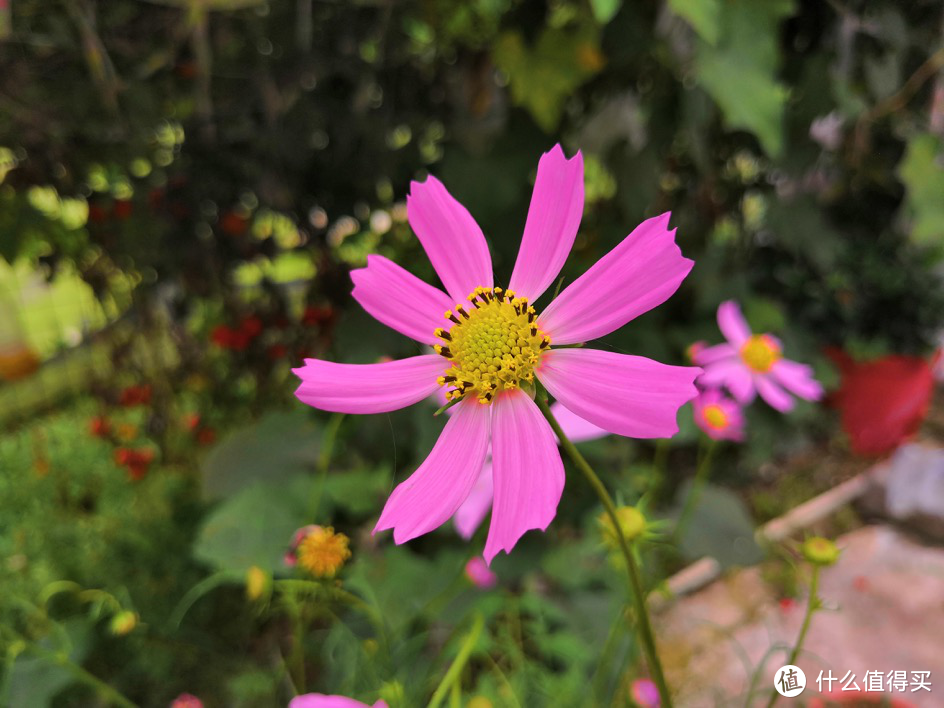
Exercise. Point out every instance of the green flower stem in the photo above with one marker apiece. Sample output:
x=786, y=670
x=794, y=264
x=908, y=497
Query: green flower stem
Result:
x=80, y=674
x=644, y=626
x=698, y=486
x=296, y=658
x=452, y=674
x=812, y=604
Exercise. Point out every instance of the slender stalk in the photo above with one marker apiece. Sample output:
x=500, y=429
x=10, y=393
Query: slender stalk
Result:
x=296, y=658
x=80, y=674
x=812, y=604
x=452, y=674
x=644, y=626
x=698, y=486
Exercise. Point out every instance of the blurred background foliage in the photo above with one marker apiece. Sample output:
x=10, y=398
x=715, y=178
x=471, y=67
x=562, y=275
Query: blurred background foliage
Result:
x=184, y=186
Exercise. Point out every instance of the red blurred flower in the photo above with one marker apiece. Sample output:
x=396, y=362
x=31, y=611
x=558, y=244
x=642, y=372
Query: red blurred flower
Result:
x=787, y=604
x=277, y=352
x=137, y=461
x=222, y=336
x=122, y=209
x=317, y=314
x=251, y=326
x=881, y=402
x=100, y=427
x=206, y=436
x=97, y=214
x=139, y=395
x=186, y=69
x=232, y=224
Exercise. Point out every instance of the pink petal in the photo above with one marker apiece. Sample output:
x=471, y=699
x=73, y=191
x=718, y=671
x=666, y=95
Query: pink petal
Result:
x=640, y=273
x=709, y=355
x=732, y=323
x=627, y=395
x=475, y=507
x=528, y=472
x=733, y=375
x=797, y=378
x=399, y=299
x=575, y=427
x=553, y=219
x=368, y=388
x=451, y=238
x=433, y=493
x=320, y=700
x=773, y=394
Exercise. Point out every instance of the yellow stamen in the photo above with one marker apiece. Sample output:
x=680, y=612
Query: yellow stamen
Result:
x=323, y=552
x=715, y=416
x=760, y=352
x=493, y=348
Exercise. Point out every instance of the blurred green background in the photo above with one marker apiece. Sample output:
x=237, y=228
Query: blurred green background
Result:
x=184, y=186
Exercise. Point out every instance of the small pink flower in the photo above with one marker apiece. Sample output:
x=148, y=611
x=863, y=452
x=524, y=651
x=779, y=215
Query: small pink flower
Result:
x=494, y=342
x=186, y=700
x=320, y=700
x=749, y=364
x=645, y=693
x=477, y=571
x=718, y=416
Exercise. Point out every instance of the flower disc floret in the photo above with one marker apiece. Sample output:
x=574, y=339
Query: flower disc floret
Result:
x=715, y=417
x=494, y=344
x=760, y=352
x=322, y=552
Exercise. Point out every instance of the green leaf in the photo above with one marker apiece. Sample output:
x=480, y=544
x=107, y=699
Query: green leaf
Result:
x=703, y=15
x=277, y=448
x=359, y=492
x=35, y=680
x=720, y=527
x=922, y=172
x=740, y=72
x=254, y=526
x=542, y=77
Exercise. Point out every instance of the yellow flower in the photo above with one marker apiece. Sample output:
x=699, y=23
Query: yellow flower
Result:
x=820, y=551
x=257, y=582
x=322, y=552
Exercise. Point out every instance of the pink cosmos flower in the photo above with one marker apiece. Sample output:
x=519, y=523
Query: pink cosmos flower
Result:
x=479, y=502
x=186, y=700
x=320, y=700
x=478, y=572
x=719, y=416
x=494, y=343
x=753, y=363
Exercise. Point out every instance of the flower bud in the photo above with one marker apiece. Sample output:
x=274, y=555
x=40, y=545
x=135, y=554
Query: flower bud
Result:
x=820, y=551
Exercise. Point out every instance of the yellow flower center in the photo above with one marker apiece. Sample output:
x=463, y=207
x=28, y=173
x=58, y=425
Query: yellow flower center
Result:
x=323, y=552
x=715, y=417
x=493, y=344
x=760, y=352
